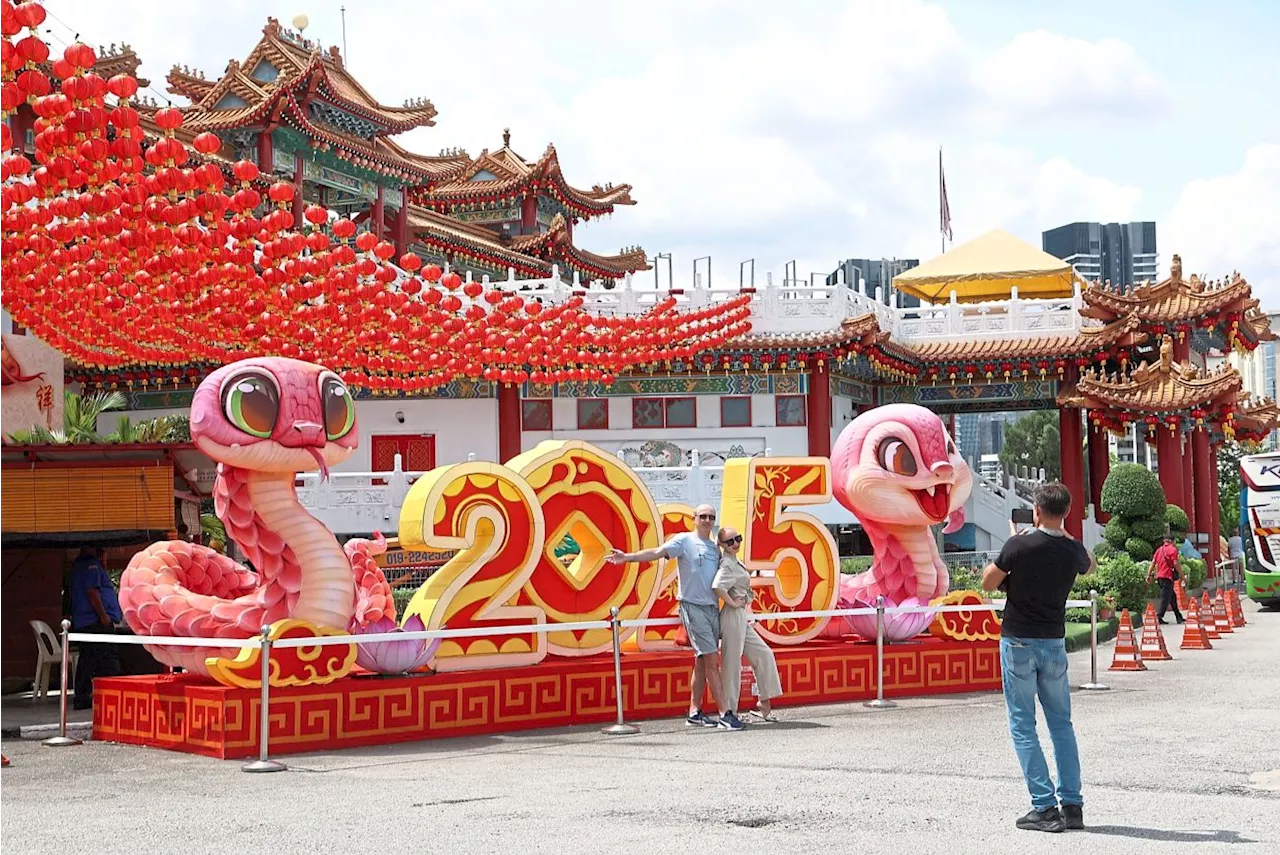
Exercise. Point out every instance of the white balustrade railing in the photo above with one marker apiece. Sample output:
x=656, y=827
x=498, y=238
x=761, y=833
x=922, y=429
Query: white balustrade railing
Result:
x=805, y=306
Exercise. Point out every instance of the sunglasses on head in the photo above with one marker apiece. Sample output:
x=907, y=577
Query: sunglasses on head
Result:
x=707, y=517
x=733, y=541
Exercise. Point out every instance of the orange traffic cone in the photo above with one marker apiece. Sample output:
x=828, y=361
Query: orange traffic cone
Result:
x=1152, y=644
x=4, y=761
x=1207, y=622
x=1193, y=635
x=1234, y=609
x=1221, y=620
x=1180, y=592
x=1127, y=657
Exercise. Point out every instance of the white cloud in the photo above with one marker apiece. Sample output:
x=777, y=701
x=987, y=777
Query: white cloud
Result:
x=1052, y=76
x=1231, y=222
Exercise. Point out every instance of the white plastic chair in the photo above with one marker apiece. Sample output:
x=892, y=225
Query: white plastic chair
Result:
x=49, y=654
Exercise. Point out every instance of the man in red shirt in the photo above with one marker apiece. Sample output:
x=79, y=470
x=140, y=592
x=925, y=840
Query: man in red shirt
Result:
x=1165, y=565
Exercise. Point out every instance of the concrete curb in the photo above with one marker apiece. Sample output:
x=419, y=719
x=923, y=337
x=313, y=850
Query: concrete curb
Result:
x=78, y=729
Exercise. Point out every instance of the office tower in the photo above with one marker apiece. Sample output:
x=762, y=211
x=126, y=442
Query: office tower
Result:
x=1123, y=253
x=876, y=273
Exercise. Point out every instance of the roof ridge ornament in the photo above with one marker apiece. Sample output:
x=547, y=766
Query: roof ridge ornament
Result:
x=506, y=137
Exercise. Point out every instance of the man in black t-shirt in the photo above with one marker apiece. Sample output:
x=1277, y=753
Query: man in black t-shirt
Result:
x=1038, y=568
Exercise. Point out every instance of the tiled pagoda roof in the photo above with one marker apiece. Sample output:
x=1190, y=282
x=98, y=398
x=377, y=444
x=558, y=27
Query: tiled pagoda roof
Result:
x=298, y=65
x=1164, y=387
x=514, y=176
x=1172, y=301
x=1254, y=420
x=1089, y=340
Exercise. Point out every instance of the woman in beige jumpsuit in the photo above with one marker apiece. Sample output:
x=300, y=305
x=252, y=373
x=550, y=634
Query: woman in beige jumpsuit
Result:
x=737, y=636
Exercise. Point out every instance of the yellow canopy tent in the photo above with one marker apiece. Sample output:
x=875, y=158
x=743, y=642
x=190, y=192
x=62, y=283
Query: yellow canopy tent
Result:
x=986, y=268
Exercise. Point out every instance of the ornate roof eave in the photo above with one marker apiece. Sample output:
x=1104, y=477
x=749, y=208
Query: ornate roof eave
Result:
x=1148, y=390
x=111, y=60
x=514, y=175
x=1120, y=334
x=1254, y=421
x=433, y=229
x=1172, y=301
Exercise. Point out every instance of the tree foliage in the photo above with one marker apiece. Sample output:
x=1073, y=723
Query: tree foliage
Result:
x=1032, y=441
x=1229, y=455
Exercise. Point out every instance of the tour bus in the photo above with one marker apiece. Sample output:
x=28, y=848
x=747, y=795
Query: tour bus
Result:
x=1260, y=515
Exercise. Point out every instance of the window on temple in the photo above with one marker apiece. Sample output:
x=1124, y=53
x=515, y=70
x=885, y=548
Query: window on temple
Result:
x=682, y=413
x=735, y=412
x=663, y=413
x=790, y=410
x=593, y=414
x=535, y=414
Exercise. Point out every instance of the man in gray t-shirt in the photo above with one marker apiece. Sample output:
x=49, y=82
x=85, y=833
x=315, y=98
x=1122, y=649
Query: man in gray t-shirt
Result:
x=697, y=559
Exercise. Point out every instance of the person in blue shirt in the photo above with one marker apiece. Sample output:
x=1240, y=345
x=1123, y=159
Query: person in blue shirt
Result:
x=697, y=559
x=94, y=608
x=1187, y=550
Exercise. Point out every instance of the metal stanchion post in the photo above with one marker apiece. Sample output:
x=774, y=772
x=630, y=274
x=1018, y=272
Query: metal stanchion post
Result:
x=62, y=740
x=880, y=703
x=264, y=763
x=619, y=727
x=1093, y=684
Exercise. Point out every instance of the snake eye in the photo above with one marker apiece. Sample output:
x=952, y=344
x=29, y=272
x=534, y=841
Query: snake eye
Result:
x=339, y=409
x=894, y=456
x=251, y=402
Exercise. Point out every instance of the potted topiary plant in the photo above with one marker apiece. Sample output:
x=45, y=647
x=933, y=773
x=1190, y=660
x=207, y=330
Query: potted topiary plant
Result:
x=1107, y=606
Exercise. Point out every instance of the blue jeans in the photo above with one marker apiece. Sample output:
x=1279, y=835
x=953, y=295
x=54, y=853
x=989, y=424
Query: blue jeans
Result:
x=1038, y=667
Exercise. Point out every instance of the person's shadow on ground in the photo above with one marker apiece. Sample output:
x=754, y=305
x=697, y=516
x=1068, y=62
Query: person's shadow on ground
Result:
x=1169, y=836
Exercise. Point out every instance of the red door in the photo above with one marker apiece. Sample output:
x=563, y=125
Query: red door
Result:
x=417, y=452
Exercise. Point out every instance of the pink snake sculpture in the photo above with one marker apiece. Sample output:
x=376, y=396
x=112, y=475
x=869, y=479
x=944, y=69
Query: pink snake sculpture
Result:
x=263, y=421
x=899, y=472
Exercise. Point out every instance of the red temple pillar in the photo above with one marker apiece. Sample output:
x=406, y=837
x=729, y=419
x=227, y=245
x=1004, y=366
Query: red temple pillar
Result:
x=819, y=405
x=1206, y=510
x=1099, y=468
x=508, y=421
x=377, y=215
x=1182, y=347
x=1168, y=456
x=1190, y=483
x=1215, y=519
x=402, y=223
x=529, y=215
x=1071, y=459
x=297, y=191
x=264, y=152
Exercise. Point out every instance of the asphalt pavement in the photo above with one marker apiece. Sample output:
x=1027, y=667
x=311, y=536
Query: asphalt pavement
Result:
x=1181, y=758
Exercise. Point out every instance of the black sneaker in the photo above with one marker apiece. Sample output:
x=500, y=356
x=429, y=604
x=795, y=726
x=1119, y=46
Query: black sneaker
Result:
x=729, y=721
x=1042, y=820
x=1073, y=817
x=1182, y=620
x=1162, y=621
x=696, y=719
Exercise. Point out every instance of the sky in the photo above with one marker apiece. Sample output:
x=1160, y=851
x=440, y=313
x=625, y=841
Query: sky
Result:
x=810, y=131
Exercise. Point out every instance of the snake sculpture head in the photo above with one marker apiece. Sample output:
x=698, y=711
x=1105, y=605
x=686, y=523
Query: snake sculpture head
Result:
x=896, y=468
x=262, y=420
x=274, y=415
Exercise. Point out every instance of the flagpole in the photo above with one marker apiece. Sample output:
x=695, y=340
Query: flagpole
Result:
x=942, y=201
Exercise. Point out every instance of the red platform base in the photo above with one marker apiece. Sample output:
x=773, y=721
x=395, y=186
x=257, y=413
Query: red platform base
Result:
x=185, y=714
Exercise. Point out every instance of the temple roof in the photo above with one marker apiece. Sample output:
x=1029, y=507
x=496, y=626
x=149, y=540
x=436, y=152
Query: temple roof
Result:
x=1254, y=420
x=556, y=243
x=283, y=61
x=1163, y=387
x=448, y=234
x=1172, y=301
x=1089, y=340
x=505, y=174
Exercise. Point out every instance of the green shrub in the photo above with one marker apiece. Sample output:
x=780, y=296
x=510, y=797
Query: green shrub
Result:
x=855, y=565
x=1176, y=519
x=1139, y=549
x=1117, y=532
x=1194, y=571
x=1147, y=529
x=1104, y=551
x=1084, y=584
x=401, y=597
x=1132, y=491
x=1125, y=580
x=964, y=578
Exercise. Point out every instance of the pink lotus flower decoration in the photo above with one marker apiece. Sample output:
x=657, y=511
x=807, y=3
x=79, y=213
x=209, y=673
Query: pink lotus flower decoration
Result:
x=395, y=657
x=897, y=627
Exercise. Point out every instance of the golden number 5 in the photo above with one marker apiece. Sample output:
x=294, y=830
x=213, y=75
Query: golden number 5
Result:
x=794, y=550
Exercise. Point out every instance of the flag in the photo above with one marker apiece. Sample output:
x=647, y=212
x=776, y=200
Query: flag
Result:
x=944, y=208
